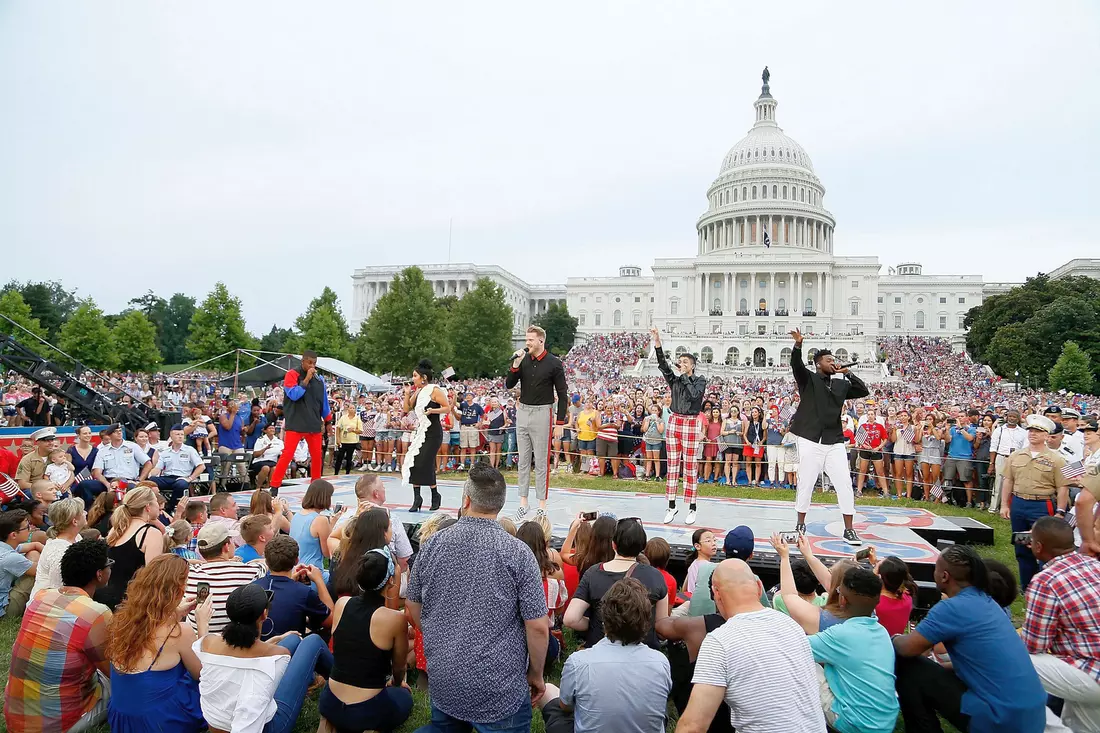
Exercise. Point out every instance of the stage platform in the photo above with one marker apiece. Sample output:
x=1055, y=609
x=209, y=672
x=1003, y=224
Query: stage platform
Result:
x=908, y=533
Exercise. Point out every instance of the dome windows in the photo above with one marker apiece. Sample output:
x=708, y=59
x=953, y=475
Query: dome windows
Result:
x=774, y=190
x=754, y=193
x=735, y=195
x=744, y=193
x=763, y=192
x=784, y=193
x=803, y=195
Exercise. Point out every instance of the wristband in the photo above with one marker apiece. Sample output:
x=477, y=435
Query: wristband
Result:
x=1059, y=511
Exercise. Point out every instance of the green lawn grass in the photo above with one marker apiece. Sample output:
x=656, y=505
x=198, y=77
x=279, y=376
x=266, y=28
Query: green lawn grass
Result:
x=307, y=721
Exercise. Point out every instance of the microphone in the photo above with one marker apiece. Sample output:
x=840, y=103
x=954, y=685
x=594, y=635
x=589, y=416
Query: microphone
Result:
x=513, y=356
x=845, y=366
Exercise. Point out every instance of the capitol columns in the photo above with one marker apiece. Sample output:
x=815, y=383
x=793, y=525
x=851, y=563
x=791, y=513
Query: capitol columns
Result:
x=796, y=294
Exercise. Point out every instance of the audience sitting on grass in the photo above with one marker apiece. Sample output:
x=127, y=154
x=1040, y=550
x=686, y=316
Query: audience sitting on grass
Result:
x=177, y=540
x=532, y=535
x=66, y=689
x=312, y=526
x=805, y=584
x=66, y=520
x=99, y=515
x=370, y=531
x=219, y=573
x=584, y=612
x=576, y=540
x=620, y=683
x=370, y=492
x=299, y=599
x=811, y=617
x=278, y=510
x=222, y=509
x=738, y=544
x=134, y=540
x=898, y=591
x=658, y=552
x=599, y=547
x=703, y=549
x=18, y=562
x=256, y=532
x=367, y=687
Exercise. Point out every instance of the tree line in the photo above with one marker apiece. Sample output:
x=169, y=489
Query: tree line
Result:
x=473, y=333
x=1046, y=330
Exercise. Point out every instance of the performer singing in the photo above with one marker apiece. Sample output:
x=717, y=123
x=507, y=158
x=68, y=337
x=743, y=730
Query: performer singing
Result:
x=305, y=411
x=429, y=402
x=816, y=424
x=684, y=434
x=540, y=374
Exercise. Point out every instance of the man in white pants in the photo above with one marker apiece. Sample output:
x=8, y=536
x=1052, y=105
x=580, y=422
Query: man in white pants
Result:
x=540, y=375
x=1061, y=626
x=820, y=435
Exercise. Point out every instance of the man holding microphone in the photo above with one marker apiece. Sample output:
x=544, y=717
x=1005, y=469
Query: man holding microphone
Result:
x=305, y=408
x=540, y=375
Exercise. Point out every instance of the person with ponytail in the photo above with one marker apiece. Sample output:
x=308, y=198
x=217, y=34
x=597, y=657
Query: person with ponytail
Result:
x=153, y=667
x=367, y=688
x=133, y=540
x=253, y=685
x=66, y=520
x=898, y=591
x=703, y=549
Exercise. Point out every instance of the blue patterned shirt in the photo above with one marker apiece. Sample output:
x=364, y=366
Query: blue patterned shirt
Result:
x=477, y=585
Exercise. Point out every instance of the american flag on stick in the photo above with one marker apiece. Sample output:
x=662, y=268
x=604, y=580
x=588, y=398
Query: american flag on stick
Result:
x=1071, y=519
x=907, y=433
x=9, y=490
x=1073, y=470
x=861, y=436
x=787, y=413
x=937, y=491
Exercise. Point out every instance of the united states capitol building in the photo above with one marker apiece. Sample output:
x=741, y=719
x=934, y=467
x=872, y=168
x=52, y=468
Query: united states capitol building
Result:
x=763, y=265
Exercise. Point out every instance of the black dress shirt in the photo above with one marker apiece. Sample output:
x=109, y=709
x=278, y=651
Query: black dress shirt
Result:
x=821, y=402
x=539, y=378
x=687, y=392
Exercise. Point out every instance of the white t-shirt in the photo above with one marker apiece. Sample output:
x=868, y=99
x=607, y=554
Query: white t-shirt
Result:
x=48, y=572
x=59, y=474
x=764, y=661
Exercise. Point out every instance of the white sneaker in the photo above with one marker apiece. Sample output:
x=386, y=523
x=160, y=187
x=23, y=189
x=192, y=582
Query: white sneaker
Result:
x=690, y=519
x=670, y=515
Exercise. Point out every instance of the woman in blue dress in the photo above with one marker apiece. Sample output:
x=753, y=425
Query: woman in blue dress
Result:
x=154, y=670
x=82, y=455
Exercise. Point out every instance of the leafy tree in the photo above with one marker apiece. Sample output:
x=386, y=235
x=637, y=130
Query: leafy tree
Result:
x=155, y=309
x=560, y=327
x=86, y=337
x=403, y=328
x=1072, y=372
x=322, y=328
x=177, y=323
x=14, y=307
x=135, y=339
x=49, y=301
x=217, y=327
x=277, y=340
x=482, y=327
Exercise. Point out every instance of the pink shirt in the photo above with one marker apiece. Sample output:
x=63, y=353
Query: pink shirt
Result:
x=893, y=613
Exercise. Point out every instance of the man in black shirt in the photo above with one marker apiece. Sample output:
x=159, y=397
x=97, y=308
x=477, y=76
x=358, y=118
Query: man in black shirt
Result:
x=684, y=433
x=35, y=409
x=540, y=375
x=820, y=434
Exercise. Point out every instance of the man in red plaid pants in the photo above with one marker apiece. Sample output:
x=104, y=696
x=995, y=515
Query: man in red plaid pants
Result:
x=684, y=436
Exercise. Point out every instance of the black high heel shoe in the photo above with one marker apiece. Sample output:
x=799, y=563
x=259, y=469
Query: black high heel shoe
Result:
x=436, y=499
x=418, y=501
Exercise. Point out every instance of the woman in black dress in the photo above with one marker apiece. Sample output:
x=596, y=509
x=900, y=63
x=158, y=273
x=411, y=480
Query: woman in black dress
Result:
x=426, y=402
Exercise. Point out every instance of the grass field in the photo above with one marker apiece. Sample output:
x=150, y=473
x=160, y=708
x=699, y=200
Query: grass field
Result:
x=307, y=721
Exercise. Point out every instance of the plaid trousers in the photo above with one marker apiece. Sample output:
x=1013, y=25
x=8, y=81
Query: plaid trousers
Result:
x=684, y=437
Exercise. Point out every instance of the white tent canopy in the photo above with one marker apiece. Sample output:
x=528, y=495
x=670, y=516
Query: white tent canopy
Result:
x=273, y=371
x=352, y=374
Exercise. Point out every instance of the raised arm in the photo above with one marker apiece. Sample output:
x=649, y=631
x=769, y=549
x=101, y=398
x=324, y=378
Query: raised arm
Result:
x=798, y=366
x=662, y=360
x=857, y=389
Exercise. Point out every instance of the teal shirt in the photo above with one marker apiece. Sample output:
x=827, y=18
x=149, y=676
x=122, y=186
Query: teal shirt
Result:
x=859, y=667
x=702, y=603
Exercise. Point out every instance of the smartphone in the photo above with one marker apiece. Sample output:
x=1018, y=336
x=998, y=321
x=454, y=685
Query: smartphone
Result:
x=203, y=592
x=791, y=538
x=338, y=507
x=589, y=516
x=1021, y=538
x=863, y=555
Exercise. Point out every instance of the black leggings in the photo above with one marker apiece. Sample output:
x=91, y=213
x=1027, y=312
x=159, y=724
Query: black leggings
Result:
x=346, y=451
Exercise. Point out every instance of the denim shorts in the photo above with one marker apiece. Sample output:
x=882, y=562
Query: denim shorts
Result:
x=586, y=445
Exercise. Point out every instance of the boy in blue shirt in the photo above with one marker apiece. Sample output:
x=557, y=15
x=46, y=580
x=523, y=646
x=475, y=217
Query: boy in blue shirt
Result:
x=992, y=685
x=857, y=693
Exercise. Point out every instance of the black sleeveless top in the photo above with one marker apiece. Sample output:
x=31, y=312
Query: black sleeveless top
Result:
x=357, y=661
x=129, y=558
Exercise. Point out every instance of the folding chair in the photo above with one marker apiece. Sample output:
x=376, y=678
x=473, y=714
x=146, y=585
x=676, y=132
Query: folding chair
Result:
x=234, y=470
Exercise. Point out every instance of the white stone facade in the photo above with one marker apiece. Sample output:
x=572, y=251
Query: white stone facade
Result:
x=735, y=300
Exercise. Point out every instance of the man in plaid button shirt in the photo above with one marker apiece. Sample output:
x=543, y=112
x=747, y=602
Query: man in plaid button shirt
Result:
x=1062, y=624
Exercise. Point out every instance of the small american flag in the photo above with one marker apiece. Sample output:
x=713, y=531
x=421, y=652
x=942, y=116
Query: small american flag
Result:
x=907, y=433
x=448, y=373
x=787, y=413
x=861, y=436
x=1073, y=470
x=1071, y=519
x=9, y=490
x=937, y=491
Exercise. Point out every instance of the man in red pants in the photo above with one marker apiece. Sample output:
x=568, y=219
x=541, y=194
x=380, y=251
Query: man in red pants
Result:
x=305, y=410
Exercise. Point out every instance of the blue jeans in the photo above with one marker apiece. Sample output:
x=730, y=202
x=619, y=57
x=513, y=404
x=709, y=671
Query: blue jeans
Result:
x=307, y=656
x=510, y=447
x=385, y=711
x=517, y=722
x=175, y=484
x=1023, y=513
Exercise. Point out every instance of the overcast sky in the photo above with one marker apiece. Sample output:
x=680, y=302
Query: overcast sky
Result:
x=279, y=145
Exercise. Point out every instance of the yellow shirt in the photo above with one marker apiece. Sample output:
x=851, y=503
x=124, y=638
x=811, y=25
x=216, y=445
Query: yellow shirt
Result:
x=348, y=429
x=587, y=424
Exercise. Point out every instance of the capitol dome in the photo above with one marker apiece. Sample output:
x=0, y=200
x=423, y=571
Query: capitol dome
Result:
x=766, y=193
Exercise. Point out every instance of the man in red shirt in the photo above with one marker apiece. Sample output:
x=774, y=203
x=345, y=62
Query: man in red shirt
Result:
x=1061, y=627
x=870, y=437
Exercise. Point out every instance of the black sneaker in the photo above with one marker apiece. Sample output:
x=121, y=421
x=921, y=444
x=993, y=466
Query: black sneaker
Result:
x=801, y=529
x=851, y=538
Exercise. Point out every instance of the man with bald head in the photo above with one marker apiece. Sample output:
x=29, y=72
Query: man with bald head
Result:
x=1061, y=627
x=759, y=662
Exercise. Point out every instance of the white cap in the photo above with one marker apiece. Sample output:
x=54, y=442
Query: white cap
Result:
x=1040, y=422
x=44, y=434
